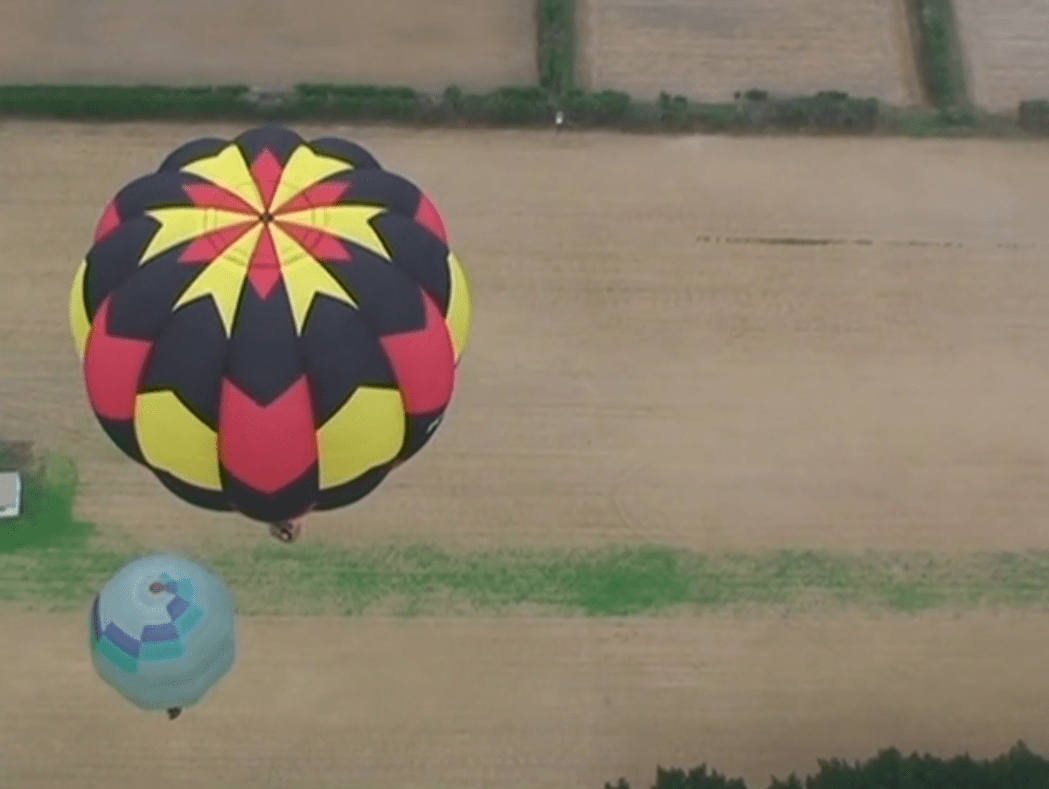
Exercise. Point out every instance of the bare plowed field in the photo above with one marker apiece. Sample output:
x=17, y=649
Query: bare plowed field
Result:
x=527, y=704
x=713, y=343
x=707, y=49
x=268, y=43
x=1006, y=43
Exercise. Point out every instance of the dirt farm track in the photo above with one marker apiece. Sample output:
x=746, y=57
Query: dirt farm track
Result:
x=712, y=343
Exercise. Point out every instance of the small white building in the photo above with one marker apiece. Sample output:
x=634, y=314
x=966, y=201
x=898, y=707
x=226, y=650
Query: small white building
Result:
x=10, y=494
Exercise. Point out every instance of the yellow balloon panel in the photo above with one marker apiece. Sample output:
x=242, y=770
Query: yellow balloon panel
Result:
x=79, y=323
x=458, y=319
x=366, y=432
x=172, y=439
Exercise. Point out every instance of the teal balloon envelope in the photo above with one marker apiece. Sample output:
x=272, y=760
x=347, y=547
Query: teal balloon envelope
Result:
x=163, y=631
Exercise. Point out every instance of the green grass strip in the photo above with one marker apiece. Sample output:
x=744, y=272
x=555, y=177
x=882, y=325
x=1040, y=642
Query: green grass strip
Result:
x=48, y=560
x=625, y=581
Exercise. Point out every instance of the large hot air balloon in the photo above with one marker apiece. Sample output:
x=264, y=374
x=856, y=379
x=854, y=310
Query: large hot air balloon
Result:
x=163, y=632
x=270, y=324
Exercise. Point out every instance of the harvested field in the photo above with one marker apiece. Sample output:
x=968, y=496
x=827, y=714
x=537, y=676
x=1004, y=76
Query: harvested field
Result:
x=706, y=49
x=710, y=343
x=269, y=43
x=649, y=364
x=1006, y=43
x=529, y=704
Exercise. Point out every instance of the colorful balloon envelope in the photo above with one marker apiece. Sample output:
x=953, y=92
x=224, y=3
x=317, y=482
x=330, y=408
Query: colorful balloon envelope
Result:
x=163, y=632
x=270, y=324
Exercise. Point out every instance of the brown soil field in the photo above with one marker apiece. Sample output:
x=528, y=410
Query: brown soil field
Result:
x=528, y=704
x=707, y=49
x=269, y=43
x=709, y=342
x=647, y=363
x=1006, y=44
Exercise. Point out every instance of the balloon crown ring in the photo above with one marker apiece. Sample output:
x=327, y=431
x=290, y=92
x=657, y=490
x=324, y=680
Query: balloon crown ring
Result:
x=156, y=587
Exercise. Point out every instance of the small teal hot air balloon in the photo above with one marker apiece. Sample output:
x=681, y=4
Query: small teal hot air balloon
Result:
x=163, y=632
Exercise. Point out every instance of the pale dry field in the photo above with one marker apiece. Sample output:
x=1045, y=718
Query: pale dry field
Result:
x=706, y=49
x=268, y=43
x=1006, y=43
x=631, y=377
x=527, y=704
x=640, y=371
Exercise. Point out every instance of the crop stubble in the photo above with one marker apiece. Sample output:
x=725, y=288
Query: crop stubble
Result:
x=647, y=364
x=663, y=351
x=1006, y=43
x=269, y=43
x=708, y=49
x=387, y=703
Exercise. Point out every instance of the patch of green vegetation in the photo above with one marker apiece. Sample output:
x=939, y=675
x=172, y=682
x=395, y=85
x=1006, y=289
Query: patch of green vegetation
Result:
x=753, y=111
x=1018, y=767
x=624, y=581
x=56, y=579
x=940, y=53
x=923, y=123
x=48, y=560
x=555, y=25
x=46, y=516
x=125, y=102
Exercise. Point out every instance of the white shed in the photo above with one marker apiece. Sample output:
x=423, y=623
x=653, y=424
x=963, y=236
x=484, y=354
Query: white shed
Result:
x=10, y=494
